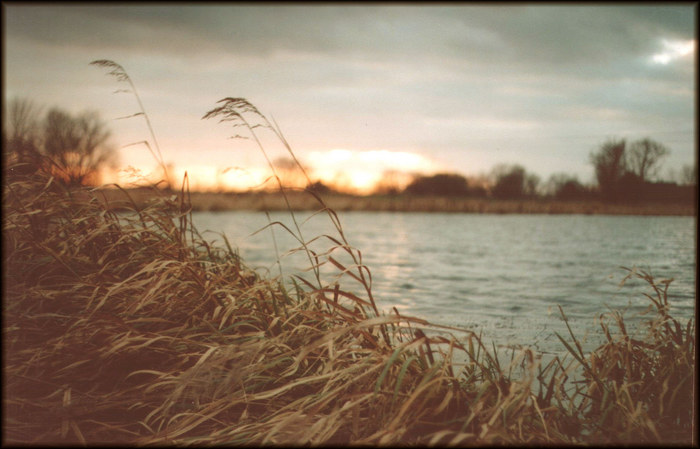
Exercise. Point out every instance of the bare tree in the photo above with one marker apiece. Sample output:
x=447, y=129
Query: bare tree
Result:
x=610, y=166
x=532, y=183
x=77, y=145
x=74, y=148
x=644, y=157
x=21, y=128
x=513, y=182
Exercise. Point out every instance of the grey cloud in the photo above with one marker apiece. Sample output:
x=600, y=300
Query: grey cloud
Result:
x=403, y=74
x=515, y=37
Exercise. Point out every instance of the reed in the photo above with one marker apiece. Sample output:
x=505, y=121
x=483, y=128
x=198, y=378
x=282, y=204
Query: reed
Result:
x=129, y=328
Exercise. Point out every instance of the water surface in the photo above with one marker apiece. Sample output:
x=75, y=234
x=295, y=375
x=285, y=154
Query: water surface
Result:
x=503, y=275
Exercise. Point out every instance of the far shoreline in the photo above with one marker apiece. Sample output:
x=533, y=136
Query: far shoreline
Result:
x=304, y=201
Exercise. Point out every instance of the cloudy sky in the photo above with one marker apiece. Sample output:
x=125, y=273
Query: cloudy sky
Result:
x=359, y=89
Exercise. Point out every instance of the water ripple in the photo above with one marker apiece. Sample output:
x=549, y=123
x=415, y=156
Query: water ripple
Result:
x=503, y=274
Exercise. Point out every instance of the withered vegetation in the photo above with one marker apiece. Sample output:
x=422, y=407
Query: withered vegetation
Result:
x=129, y=328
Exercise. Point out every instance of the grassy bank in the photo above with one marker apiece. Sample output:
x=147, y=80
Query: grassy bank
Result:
x=130, y=328
x=122, y=325
x=299, y=200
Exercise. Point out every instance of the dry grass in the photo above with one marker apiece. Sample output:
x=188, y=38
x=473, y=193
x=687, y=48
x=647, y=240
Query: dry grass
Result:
x=128, y=328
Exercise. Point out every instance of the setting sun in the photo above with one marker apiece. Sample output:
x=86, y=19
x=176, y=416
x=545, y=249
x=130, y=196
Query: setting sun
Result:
x=358, y=172
x=363, y=171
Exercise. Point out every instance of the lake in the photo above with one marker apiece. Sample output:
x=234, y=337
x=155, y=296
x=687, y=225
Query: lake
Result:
x=503, y=275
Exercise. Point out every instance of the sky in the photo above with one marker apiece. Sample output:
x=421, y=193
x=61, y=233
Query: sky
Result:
x=359, y=89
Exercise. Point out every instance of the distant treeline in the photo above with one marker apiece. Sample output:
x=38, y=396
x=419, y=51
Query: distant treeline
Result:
x=75, y=149
x=624, y=173
x=517, y=185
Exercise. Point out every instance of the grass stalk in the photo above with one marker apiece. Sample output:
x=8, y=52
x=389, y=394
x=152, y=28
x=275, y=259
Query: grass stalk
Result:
x=130, y=328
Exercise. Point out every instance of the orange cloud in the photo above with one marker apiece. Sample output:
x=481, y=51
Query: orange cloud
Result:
x=360, y=172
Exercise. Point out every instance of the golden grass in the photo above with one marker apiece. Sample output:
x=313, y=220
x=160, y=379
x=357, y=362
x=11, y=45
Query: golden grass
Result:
x=129, y=328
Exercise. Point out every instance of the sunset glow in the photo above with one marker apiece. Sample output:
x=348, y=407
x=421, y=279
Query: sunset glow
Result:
x=363, y=171
x=365, y=97
x=199, y=177
x=360, y=172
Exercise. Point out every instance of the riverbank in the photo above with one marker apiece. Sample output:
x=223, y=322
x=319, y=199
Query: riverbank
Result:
x=299, y=200
x=130, y=329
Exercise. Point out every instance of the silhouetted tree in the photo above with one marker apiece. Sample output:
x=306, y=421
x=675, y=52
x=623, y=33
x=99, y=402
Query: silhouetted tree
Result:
x=77, y=145
x=644, y=157
x=319, y=188
x=448, y=184
x=20, y=134
x=74, y=148
x=532, y=182
x=610, y=166
x=513, y=182
x=624, y=172
x=566, y=187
